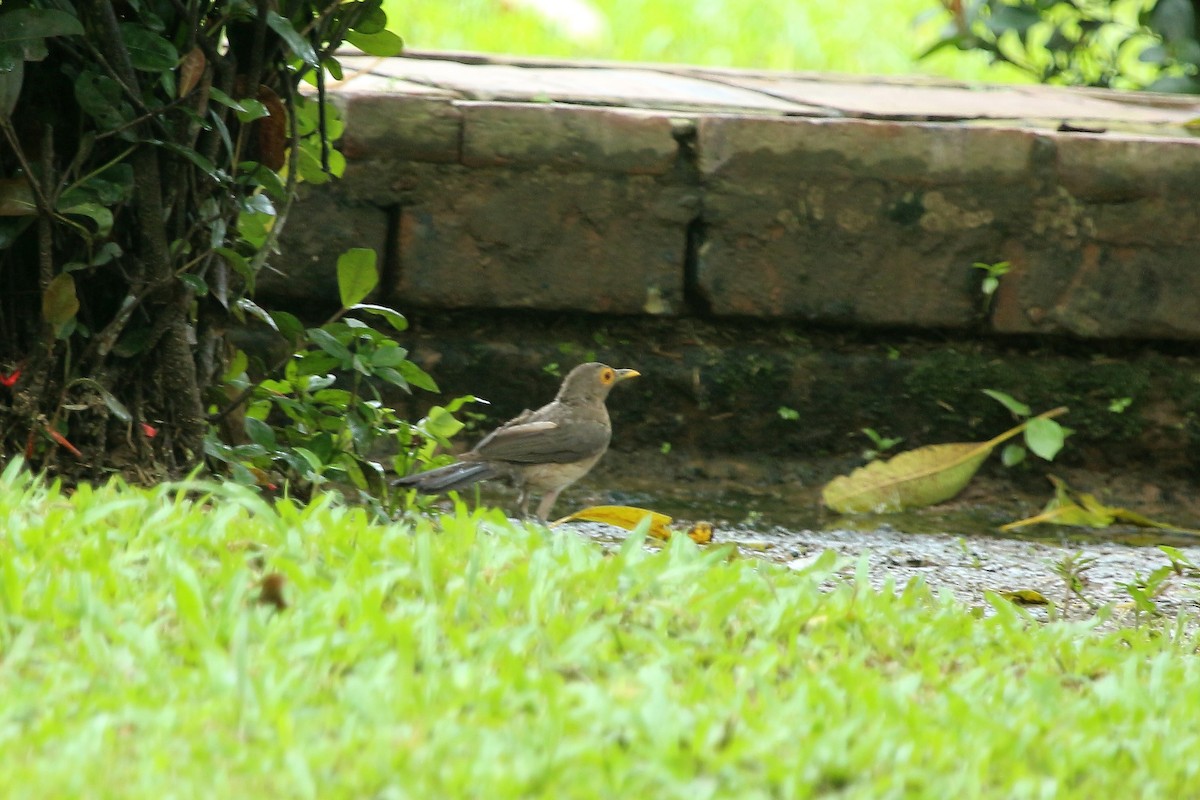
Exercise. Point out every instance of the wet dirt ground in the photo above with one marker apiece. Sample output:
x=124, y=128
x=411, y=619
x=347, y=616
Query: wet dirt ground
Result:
x=956, y=546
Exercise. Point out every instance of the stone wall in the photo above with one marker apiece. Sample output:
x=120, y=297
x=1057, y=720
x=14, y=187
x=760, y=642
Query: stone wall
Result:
x=681, y=192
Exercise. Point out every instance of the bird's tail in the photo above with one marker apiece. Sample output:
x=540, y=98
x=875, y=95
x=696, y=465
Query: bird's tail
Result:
x=449, y=478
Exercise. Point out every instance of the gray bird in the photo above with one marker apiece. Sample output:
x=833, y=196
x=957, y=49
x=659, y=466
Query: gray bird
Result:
x=542, y=451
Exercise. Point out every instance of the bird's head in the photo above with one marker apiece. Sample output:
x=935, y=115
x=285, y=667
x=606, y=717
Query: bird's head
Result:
x=592, y=381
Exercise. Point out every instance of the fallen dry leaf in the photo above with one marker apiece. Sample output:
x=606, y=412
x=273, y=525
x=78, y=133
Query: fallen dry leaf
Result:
x=629, y=517
x=916, y=478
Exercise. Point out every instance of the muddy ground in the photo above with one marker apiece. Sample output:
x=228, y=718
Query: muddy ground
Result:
x=957, y=546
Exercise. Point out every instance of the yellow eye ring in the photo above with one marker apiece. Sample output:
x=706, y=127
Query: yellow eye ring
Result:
x=606, y=376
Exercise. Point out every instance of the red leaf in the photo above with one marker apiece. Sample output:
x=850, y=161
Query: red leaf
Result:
x=8, y=380
x=149, y=430
x=62, y=440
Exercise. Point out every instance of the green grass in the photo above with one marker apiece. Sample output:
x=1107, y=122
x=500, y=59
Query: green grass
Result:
x=856, y=36
x=466, y=657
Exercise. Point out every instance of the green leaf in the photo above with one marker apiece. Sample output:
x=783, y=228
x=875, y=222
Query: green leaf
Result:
x=195, y=283
x=308, y=164
x=368, y=17
x=312, y=459
x=440, y=423
x=148, y=51
x=1045, y=438
x=237, y=365
x=251, y=110
x=261, y=434
x=357, y=275
x=114, y=405
x=238, y=262
x=295, y=42
x=95, y=212
x=189, y=599
x=393, y=377
x=388, y=357
x=59, y=302
x=393, y=317
x=100, y=97
x=384, y=44
x=326, y=341
x=1012, y=455
x=1009, y=402
x=254, y=228
x=225, y=100
x=133, y=342
x=26, y=28
x=417, y=376
x=107, y=252
x=11, y=81
x=255, y=310
x=334, y=67
x=288, y=325
x=353, y=471
x=113, y=185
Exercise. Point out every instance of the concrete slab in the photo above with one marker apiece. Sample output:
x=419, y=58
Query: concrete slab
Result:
x=615, y=86
x=892, y=101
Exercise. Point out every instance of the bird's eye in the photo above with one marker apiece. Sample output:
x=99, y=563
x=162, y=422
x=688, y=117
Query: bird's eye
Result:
x=606, y=376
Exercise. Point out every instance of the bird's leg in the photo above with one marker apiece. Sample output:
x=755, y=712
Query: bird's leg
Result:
x=548, y=499
x=523, y=502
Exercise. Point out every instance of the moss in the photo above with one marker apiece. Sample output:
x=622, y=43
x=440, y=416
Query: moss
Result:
x=954, y=380
x=1183, y=392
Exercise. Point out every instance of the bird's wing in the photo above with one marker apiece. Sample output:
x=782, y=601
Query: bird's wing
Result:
x=543, y=442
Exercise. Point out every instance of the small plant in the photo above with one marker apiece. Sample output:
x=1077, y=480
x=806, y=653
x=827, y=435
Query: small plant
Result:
x=323, y=421
x=970, y=554
x=991, y=279
x=1180, y=564
x=879, y=444
x=1044, y=437
x=1071, y=569
x=1146, y=589
x=1118, y=404
x=789, y=414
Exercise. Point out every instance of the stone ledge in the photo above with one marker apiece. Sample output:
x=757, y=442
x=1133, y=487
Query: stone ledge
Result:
x=639, y=189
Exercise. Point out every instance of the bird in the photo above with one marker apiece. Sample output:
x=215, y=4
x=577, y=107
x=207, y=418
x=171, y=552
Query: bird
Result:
x=542, y=451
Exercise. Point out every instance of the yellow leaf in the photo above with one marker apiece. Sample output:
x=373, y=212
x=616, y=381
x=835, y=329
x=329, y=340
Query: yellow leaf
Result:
x=916, y=478
x=701, y=532
x=1025, y=597
x=1087, y=512
x=59, y=302
x=629, y=517
x=912, y=479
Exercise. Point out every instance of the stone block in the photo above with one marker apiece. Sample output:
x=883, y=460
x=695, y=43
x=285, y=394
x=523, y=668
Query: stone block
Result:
x=568, y=137
x=322, y=225
x=1111, y=251
x=734, y=148
x=395, y=127
x=499, y=238
x=1102, y=291
x=854, y=222
x=1116, y=168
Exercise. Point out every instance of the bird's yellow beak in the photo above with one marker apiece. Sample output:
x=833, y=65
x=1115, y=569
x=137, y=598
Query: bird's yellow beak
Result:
x=624, y=374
